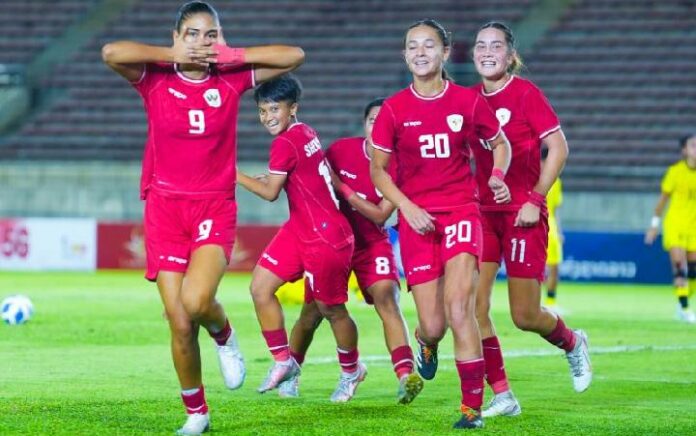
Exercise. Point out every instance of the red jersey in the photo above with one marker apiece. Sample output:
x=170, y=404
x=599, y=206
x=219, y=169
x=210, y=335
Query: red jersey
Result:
x=191, y=148
x=429, y=138
x=526, y=118
x=314, y=213
x=349, y=159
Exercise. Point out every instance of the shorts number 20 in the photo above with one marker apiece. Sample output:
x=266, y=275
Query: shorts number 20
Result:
x=459, y=232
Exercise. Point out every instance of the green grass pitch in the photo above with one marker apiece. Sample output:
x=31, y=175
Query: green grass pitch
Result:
x=95, y=360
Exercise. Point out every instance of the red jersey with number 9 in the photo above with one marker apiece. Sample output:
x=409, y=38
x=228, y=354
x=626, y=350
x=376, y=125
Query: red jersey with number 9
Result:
x=191, y=149
x=314, y=214
x=429, y=137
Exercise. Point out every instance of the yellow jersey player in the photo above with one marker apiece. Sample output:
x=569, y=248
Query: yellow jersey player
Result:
x=679, y=228
x=554, y=251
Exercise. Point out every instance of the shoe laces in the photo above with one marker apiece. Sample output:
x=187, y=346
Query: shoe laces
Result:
x=469, y=413
x=575, y=359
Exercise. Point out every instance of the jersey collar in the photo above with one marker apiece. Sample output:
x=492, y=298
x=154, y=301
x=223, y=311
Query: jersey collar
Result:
x=186, y=79
x=490, y=94
x=434, y=97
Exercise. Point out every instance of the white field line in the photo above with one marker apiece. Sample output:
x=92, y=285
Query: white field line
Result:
x=549, y=351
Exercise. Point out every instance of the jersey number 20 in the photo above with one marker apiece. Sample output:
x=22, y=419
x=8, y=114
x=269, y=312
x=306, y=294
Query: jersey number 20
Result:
x=434, y=146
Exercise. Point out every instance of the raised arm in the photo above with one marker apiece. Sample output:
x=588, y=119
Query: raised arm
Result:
x=270, y=61
x=128, y=58
x=419, y=220
x=267, y=187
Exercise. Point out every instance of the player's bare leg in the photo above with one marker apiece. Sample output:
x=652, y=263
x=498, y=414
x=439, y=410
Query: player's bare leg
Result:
x=346, y=333
x=198, y=291
x=300, y=340
x=680, y=271
x=385, y=296
x=184, y=347
x=691, y=279
x=551, y=285
x=503, y=402
x=528, y=315
x=432, y=324
x=269, y=313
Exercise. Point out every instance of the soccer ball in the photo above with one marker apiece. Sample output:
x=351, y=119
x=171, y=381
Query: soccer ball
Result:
x=16, y=309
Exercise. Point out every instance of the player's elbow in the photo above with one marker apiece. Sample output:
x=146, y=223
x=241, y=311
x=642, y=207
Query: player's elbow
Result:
x=297, y=56
x=108, y=52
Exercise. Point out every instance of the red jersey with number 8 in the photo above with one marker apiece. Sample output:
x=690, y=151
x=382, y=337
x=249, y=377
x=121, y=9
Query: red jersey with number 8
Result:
x=191, y=149
x=429, y=137
x=314, y=213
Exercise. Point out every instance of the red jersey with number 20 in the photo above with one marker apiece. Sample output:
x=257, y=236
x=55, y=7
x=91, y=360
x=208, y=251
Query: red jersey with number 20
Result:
x=429, y=137
x=526, y=118
x=349, y=159
x=314, y=214
x=191, y=148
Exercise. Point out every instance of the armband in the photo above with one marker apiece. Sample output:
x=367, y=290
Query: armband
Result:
x=655, y=222
x=229, y=55
x=536, y=199
x=498, y=173
x=346, y=191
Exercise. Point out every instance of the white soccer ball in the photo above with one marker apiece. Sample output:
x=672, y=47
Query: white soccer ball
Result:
x=16, y=309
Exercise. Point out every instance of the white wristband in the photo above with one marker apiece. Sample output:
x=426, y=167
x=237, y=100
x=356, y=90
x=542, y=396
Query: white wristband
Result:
x=655, y=222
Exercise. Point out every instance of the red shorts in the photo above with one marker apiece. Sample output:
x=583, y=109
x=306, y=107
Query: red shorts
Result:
x=326, y=268
x=175, y=227
x=373, y=263
x=522, y=248
x=424, y=256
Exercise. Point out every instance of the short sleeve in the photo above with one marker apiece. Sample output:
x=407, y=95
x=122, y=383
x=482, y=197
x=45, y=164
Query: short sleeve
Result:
x=486, y=125
x=283, y=158
x=239, y=78
x=668, y=181
x=539, y=113
x=383, y=131
x=151, y=75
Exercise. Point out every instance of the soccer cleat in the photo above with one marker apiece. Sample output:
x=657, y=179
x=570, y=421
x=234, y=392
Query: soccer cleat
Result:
x=279, y=372
x=231, y=363
x=470, y=419
x=348, y=383
x=426, y=361
x=579, y=361
x=685, y=315
x=409, y=387
x=290, y=388
x=196, y=423
x=502, y=404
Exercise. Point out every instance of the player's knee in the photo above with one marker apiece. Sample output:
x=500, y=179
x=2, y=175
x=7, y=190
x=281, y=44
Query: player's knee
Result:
x=333, y=313
x=196, y=305
x=385, y=300
x=431, y=332
x=181, y=328
x=260, y=293
x=525, y=319
x=310, y=322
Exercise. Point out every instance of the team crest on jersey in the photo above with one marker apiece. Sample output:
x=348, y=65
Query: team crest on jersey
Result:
x=455, y=122
x=503, y=116
x=212, y=96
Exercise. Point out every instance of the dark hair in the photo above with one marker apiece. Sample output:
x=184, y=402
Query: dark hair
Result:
x=517, y=63
x=684, y=139
x=445, y=36
x=187, y=10
x=283, y=88
x=377, y=102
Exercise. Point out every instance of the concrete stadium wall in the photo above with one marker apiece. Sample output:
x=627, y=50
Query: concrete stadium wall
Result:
x=109, y=191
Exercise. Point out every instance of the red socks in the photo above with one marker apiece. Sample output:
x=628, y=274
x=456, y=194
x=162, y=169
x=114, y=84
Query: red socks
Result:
x=223, y=335
x=348, y=359
x=471, y=380
x=562, y=336
x=495, y=368
x=402, y=359
x=277, y=341
x=195, y=401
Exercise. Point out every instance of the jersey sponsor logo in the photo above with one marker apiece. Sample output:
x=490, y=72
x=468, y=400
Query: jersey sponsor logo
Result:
x=503, y=116
x=176, y=93
x=270, y=259
x=312, y=147
x=349, y=175
x=212, y=96
x=412, y=123
x=455, y=122
x=421, y=268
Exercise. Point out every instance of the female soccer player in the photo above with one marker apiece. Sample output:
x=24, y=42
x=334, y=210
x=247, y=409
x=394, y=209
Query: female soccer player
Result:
x=315, y=241
x=679, y=239
x=191, y=93
x=517, y=232
x=426, y=127
x=373, y=259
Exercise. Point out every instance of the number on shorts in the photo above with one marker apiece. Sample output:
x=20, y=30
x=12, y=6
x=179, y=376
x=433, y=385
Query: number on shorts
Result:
x=325, y=172
x=461, y=231
x=522, y=245
x=310, y=279
x=197, y=120
x=435, y=146
x=204, y=229
x=382, y=265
